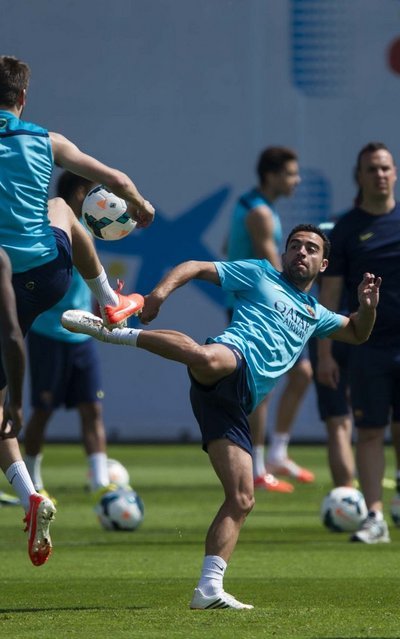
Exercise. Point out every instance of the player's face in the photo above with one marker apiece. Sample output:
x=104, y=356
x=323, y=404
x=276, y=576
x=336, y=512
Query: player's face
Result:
x=285, y=182
x=377, y=175
x=303, y=259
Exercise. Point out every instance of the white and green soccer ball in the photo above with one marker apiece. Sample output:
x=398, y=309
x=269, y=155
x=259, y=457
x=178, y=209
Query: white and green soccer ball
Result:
x=344, y=509
x=105, y=215
x=120, y=509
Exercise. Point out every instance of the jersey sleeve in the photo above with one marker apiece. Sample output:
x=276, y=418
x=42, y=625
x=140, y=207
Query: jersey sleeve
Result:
x=328, y=322
x=240, y=275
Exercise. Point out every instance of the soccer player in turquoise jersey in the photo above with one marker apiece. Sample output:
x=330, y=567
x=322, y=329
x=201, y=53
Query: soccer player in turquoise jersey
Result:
x=255, y=232
x=273, y=318
x=42, y=239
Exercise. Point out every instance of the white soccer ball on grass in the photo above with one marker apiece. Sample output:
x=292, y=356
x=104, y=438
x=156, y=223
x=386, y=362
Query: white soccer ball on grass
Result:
x=344, y=509
x=120, y=509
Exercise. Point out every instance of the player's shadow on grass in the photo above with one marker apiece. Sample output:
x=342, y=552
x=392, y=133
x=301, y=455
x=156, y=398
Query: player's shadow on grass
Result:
x=5, y=611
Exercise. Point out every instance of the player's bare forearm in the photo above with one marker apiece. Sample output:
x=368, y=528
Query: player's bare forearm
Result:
x=177, y=277
x=70, y=157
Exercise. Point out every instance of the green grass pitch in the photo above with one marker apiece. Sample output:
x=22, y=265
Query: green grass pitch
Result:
x=303, y=580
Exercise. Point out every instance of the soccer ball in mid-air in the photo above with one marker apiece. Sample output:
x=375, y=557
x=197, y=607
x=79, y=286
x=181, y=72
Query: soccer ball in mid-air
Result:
x=395, y=510
x=344, y=509
x=117, y=473
x=120, y=509
x=105, y=215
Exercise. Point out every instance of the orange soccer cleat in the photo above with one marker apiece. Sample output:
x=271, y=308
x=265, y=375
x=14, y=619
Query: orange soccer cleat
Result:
x=41, y=512
x=271, y=483
x=128, y=305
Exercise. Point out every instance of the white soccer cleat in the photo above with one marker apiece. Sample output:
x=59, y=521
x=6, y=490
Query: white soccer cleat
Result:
x=372, y=531
x=216, y=602
x=77, y=321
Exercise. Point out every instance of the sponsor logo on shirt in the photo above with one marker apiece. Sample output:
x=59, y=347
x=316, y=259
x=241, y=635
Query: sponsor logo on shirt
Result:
x=293, y=319
x=365, y=236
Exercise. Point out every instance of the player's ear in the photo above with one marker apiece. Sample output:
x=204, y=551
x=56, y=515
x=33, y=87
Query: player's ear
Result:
x=324, y=265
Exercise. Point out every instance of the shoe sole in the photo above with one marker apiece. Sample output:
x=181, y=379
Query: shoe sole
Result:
x=370, y=543
x=40, y=546
x=77, y=321
x=221, y=604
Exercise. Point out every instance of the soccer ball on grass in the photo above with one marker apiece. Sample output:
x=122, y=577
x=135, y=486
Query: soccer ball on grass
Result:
x=120, y=509
x=105, y=215
x=344, y=509
x=395, y=510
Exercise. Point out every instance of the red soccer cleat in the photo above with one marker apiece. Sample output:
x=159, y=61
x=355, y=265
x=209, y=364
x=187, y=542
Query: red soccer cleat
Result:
x=271, y=483
x=128, y=305
x=289, y=468
x=41, y=513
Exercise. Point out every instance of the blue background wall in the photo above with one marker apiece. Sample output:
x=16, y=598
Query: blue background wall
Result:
x=183, y=95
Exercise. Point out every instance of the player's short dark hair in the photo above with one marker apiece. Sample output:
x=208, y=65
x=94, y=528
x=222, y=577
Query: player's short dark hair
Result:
x=67, y=184
x=371, y=147
x=14, y=78
x=311, y=228
x=273, y=160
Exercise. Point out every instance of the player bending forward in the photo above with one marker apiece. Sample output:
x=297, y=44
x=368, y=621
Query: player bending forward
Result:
x=273, y=318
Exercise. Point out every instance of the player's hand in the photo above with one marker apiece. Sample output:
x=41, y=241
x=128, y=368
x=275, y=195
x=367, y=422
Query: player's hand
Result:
x=143, y=216
x=328, y=371
x=12, y=421
x=151, y=308
x=368, y=291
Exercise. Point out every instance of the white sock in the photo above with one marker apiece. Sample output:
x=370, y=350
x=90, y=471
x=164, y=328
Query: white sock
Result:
x=98, y=470
x=102, y=290
x=34, y=466
x=212, y=575
x=19, y=478
x=258, y=461
x=127, y=336
x=277, y=451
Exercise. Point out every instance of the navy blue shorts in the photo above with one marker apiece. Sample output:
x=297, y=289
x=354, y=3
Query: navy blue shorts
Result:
x=221, y=410
x=375, y=385
x=332, y=402
x=68, y=374
x=42, y=287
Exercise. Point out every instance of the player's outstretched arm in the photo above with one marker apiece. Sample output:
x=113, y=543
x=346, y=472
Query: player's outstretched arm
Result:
x=359, y=325
x=176, y=278
x=12, y=349
x=67, y=155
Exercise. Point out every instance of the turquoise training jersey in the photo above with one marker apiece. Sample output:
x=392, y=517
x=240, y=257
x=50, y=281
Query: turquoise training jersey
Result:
x=26, y=164
x=240, y=246
x=49, y=322
x=272, y=321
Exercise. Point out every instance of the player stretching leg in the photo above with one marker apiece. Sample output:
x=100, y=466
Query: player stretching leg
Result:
x=233, y=372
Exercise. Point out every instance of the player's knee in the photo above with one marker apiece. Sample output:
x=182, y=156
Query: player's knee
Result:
x=244, y=503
